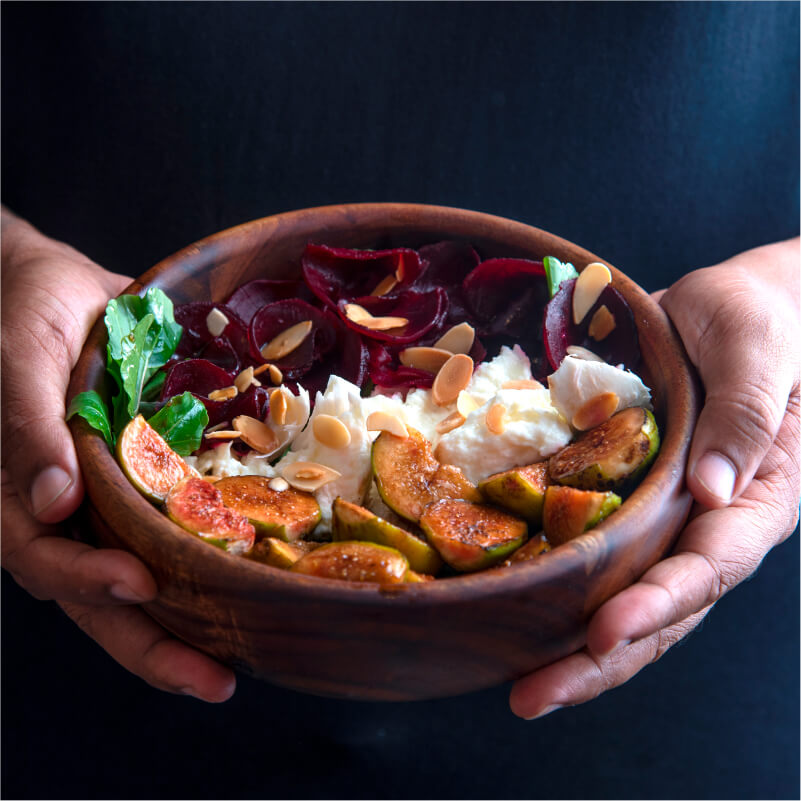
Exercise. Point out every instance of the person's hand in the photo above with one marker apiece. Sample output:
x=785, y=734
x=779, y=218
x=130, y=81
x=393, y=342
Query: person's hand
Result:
x=739, y=322
x=52, y=296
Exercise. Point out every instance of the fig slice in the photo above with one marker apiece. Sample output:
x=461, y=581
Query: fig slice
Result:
x=197, y=506
x=277, y=553
x=150, y=464
x=472, y=536
x=611, y=456
x=568, y=511
x=408, y=477
x=352, y=522
x=287, y=515
x=535, y=547
x=354, y=561
x=520, y=490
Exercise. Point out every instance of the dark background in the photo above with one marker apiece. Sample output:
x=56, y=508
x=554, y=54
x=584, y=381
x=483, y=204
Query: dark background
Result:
x=663, y=136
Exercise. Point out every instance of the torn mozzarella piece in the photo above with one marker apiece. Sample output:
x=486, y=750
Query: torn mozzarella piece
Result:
x=221, y=461
x=533, y=430
x=511, y=364
x=578, y=380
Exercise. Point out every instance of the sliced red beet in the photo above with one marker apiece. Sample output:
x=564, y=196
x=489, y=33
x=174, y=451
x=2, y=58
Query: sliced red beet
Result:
x=423, y=310
x=387, y=371
x=198, y=376
x=621, y=346
x=250, y=297
x=506, y=296
x=229, y=350
x=276, y=317
x=449, y=263
x=336, y=274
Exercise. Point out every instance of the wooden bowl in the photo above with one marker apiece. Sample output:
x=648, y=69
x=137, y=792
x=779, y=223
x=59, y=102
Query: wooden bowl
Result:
x=410, y=641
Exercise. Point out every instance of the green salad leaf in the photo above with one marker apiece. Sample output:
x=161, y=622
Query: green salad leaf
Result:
x=556, y=272
x=90, y=406
x=181, y=423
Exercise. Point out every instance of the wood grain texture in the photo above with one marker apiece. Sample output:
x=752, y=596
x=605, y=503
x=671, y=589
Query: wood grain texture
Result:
x=410, y=641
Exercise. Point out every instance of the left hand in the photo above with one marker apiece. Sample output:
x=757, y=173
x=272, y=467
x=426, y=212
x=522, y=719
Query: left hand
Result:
x=739, y=322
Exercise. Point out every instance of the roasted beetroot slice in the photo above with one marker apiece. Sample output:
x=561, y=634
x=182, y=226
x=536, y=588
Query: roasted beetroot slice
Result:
x=336, y=274
x=387, y=371
x=449, y=263
x=276, y=317
x=423, y=310
x=246, y=300
x=506, y=296
x=198, y=376
x=621, y=346
x=196, y=335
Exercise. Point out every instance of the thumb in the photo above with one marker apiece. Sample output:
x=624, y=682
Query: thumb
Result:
x=739, y=336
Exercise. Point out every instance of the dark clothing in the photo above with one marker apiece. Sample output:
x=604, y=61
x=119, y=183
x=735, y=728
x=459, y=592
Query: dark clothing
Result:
x=663, y=137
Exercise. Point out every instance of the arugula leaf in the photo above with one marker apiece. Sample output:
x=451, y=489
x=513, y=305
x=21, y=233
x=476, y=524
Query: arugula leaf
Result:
x=134, y=367
x=90, y=406
x=153, y=387
x=556, y=272
x=181, y=422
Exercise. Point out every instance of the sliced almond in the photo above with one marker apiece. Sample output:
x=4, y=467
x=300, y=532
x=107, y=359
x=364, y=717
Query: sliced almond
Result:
x=278, y=484
x=454, y=376
x=331, y=431
x=496, y=418
x=383, y=323
x=451, y=422
x=223, y=394
x=385, y=287
x=222, y=434
x=595, y=411
x=308, y=476
x=244, y=379
x=386, y=421
x=256, y=434
x=400, y=271
x=356, y=313
x=216, y=322
x=583, y=353
x=602, y=324
x=466, y=403
x=458, y=339
x=428, y=359
x=524, y=383
x=276, y=376
x=278, y=407
x=260, y=369
x=286, y=341
x=218, y=427
x=211, y=479
x=592, y=280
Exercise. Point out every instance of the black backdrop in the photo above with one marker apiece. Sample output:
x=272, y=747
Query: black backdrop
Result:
x=663, y=136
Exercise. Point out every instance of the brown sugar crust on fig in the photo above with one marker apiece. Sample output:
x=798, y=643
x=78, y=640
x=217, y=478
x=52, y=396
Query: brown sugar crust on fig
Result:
x=472, y=523
x=567, y=512
x=354, y=561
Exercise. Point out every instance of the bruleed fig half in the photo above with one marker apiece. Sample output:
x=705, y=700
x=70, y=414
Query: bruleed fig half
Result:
x=472, y=536
x=287, y=515
x=534, y=548
x=354, y=561
x=520, y=490
x=150, y=464
x=408, y=477
x=611, y=456
x=569, y=512
x=352, y=522
x=278, y=553
x=197, y=505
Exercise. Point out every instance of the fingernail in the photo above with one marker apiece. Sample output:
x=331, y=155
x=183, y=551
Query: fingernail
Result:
x=546, y=711
x=717, y=475
x=226, y=693
x=122, y=592
x=48, y=487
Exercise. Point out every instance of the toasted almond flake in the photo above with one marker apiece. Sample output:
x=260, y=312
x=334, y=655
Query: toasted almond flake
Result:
x=244, y=379
x=331, y=431
x=211, y=479
x=286, y=341
x=256, y=434
x=308, y=476
x=278, y=407
x=525, y=383
x=400, y=272
x=458, y=339
x=592, y=280
x=385, y=286
x=218, y=427
x=216, y=322
x=356, y=313
x=496, y=418
x=428, y=359
x=602, y=324
x=278, y=484
x=454, y=376
x=223, y=434
x=260, y=369
x=595, y=411
x=383, y=323
x=223, y=394
x=276, y=376
x=583, y=353
x=386, y=421
x=466, y=403
x=451, y=422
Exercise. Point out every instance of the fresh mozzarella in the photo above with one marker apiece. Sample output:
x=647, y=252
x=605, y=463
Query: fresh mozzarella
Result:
x=220, y=461
x=511, y=364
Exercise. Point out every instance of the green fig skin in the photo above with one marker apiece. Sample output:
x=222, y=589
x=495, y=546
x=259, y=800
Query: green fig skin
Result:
x=520, y=490
x=569, y=512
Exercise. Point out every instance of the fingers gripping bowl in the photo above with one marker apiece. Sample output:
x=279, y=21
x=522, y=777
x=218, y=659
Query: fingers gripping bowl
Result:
x=411, y=640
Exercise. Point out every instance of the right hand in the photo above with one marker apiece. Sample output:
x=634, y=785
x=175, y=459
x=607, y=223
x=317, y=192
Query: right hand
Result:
x=52, y=296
